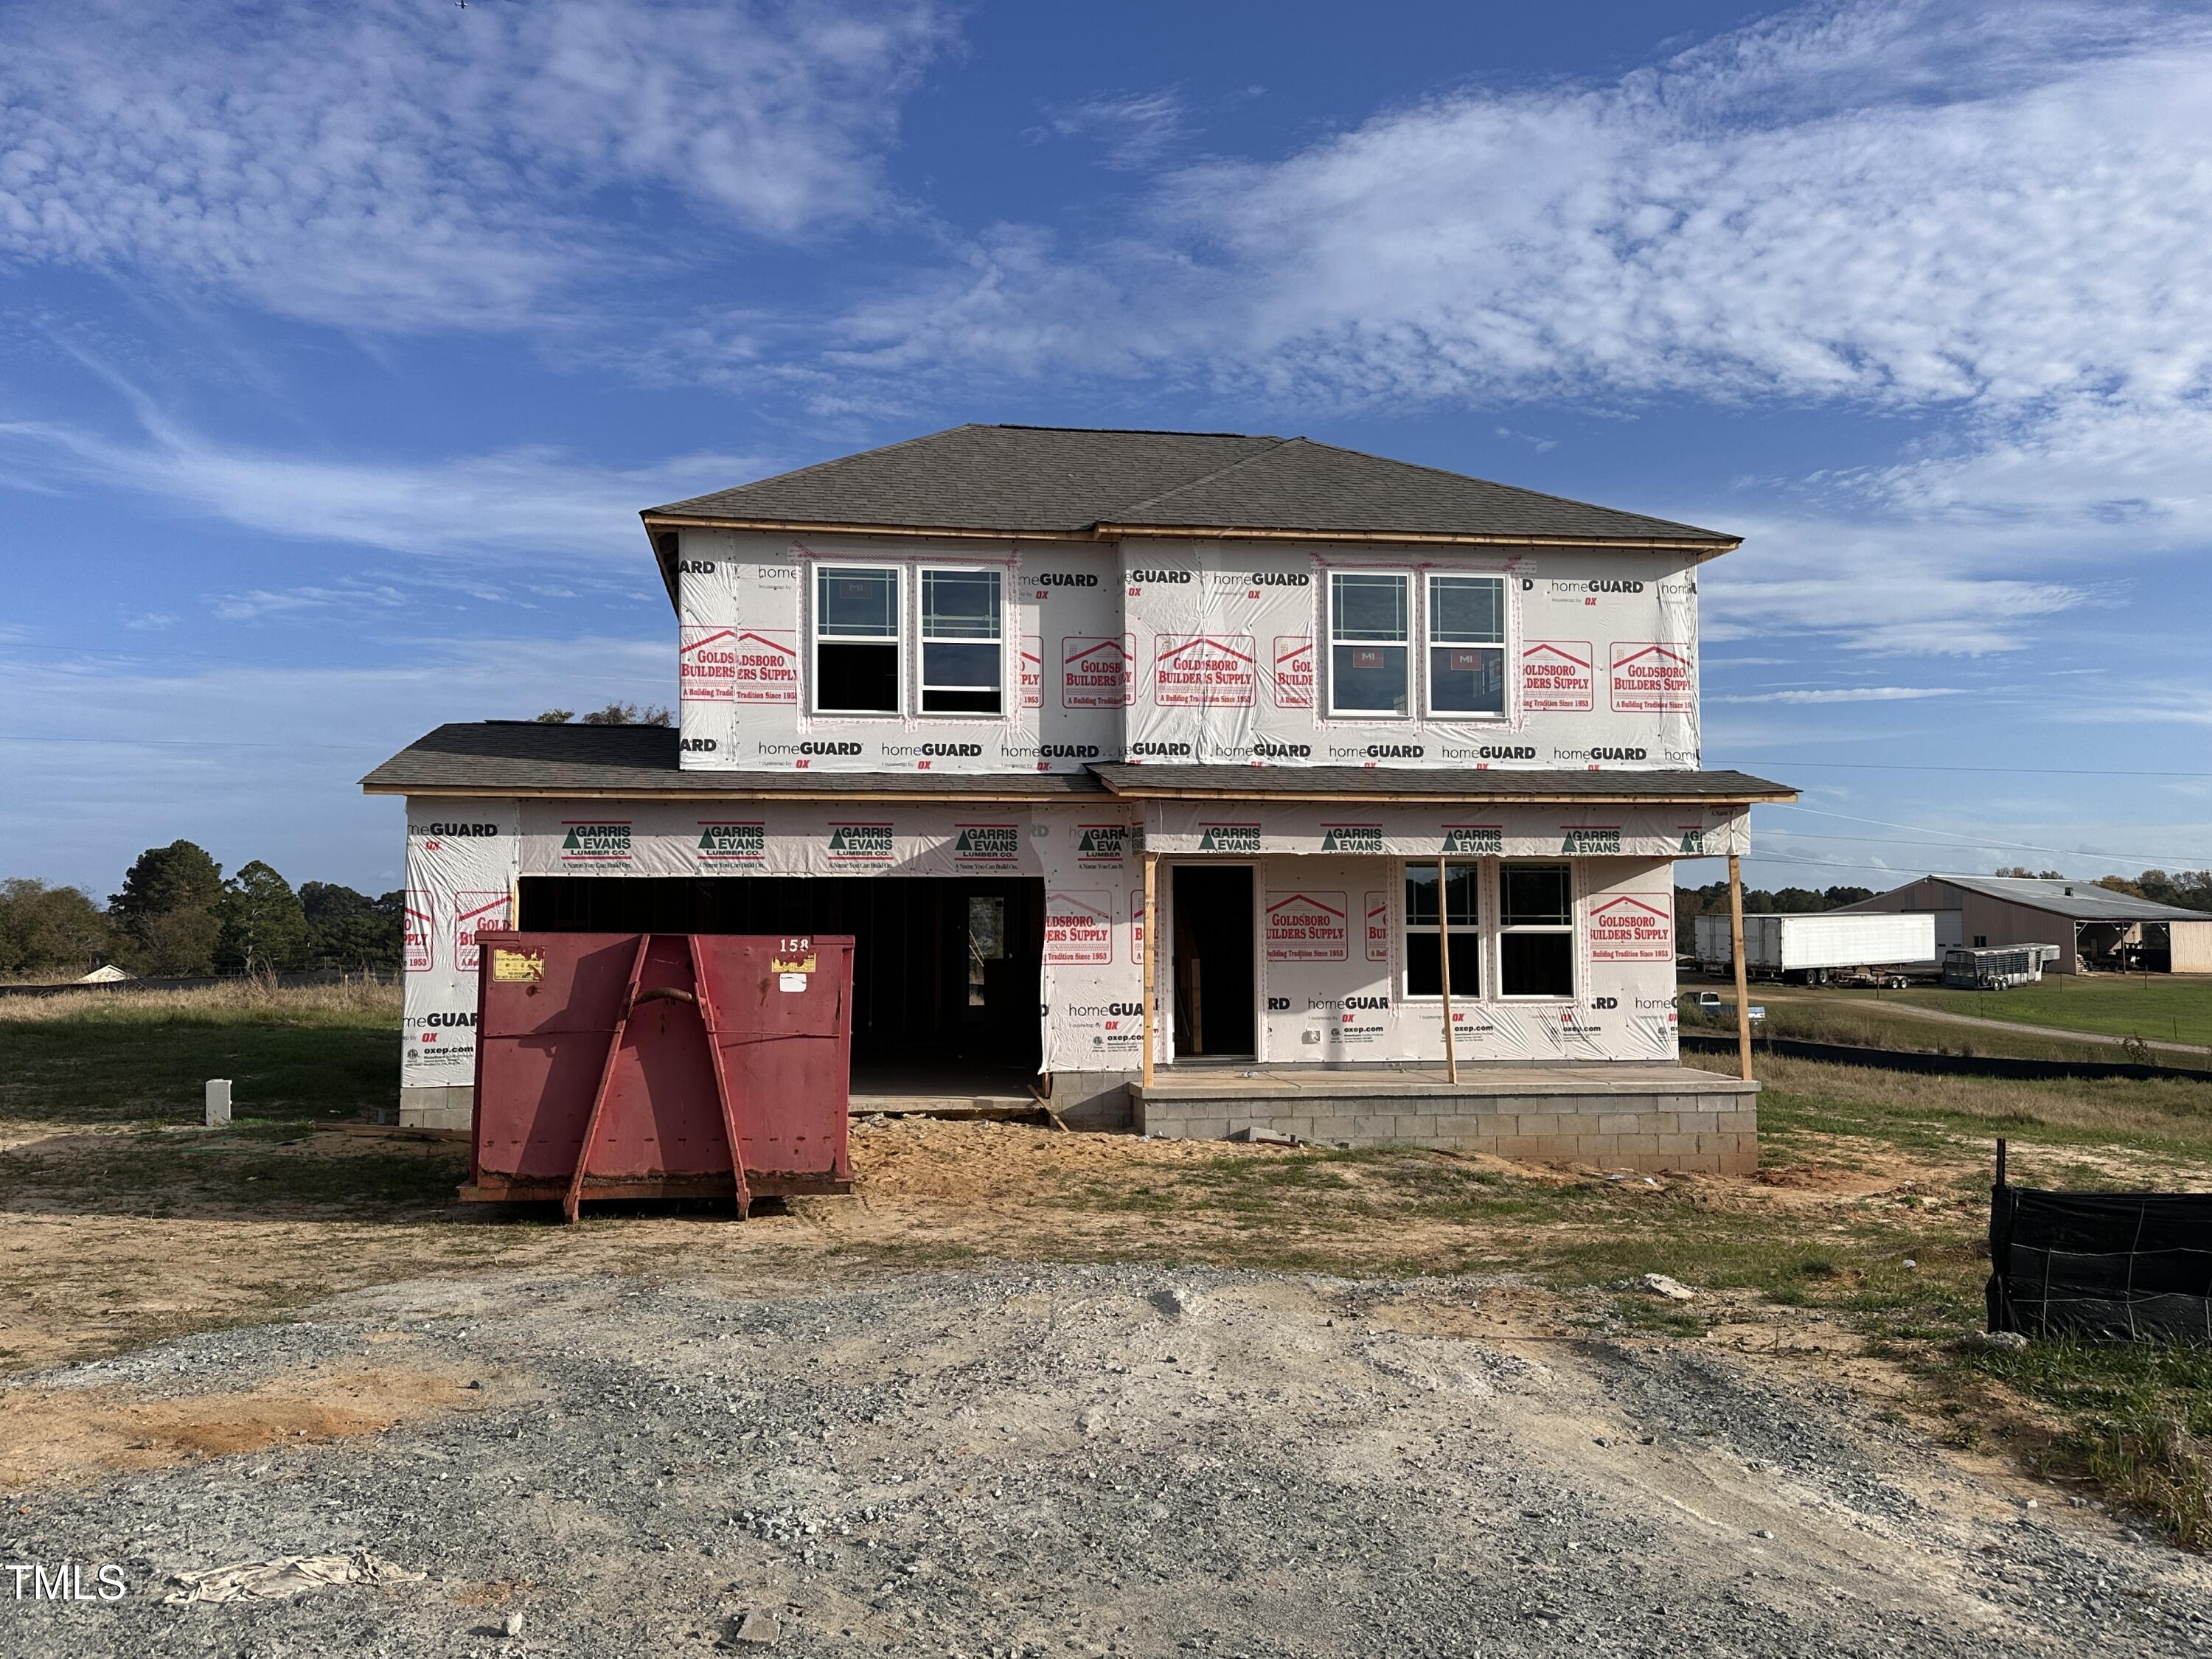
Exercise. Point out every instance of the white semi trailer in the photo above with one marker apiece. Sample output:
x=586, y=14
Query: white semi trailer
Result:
x=1822, y=947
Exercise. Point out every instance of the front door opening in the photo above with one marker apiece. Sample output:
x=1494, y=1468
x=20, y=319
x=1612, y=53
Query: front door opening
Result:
x=1212, y=962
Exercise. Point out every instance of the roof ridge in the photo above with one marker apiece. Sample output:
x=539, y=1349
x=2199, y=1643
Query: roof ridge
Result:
x=1521, y=490
x=1131, y=431
x=1208, y=478
x=813, y=466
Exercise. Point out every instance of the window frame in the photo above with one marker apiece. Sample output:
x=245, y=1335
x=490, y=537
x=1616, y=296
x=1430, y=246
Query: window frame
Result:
x=1503, y=644
x=1479, y=930
x=1405, y=643
x=1572, y=929
x=823, y=635
x=922, y=641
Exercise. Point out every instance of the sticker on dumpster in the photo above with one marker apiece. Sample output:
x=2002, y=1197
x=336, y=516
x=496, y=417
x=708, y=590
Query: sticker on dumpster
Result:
x=794, y=955
x=791, y=982
x=517, y=967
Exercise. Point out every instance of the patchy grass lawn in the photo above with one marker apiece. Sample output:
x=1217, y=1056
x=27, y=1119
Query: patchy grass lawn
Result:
x=304, y=1054
x=1858, y=1018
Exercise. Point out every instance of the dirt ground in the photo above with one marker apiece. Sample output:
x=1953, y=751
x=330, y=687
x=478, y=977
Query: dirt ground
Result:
x=1028, y=1391
x=95, y=1270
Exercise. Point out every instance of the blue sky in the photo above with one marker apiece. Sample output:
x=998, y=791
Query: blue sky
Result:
x=339, y=347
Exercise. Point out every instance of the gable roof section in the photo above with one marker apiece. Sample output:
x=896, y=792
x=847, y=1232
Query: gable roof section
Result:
x=2079, y=901
x=1071, y=481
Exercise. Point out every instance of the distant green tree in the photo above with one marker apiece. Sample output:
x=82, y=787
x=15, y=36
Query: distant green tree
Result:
x=166, y=915
x=1835, y=897
x=2036, y=875
x=630, y=714
x=556, y=716
x=50, y=932
x=263, y=925
x=347, y=929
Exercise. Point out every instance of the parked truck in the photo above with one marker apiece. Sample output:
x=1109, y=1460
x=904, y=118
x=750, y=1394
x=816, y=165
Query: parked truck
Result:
x=1825, y=948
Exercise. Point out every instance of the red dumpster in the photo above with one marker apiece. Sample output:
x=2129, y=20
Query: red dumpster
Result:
x=629, y=1066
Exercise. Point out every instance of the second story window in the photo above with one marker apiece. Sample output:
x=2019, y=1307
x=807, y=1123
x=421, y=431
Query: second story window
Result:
x=1368, y=623
x=961, y=668
x=1467, y=645
x=856, y=640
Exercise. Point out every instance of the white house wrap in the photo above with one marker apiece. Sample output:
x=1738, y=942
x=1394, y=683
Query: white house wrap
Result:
x=1361, y=729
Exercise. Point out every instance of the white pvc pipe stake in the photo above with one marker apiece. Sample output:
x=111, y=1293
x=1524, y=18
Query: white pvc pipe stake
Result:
x=218, y=1102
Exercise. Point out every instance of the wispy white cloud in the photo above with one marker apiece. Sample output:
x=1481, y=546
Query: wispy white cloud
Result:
x=1847, y=694
x=287, y=604
x=1133, y=129
x=390, y=165
x=533, y=501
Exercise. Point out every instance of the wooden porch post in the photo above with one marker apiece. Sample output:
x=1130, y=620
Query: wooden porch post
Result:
x=1742, y=985
x=1151, y=935
x=1443, y=966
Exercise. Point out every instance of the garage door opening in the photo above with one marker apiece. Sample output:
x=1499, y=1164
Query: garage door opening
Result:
x=946, y=971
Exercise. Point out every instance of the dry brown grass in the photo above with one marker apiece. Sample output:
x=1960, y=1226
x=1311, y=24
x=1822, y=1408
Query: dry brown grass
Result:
x=2173, y=1111
x=241, y=1001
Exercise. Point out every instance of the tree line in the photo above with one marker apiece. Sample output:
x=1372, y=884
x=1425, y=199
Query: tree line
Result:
x=2191, y=889
x=176, y=916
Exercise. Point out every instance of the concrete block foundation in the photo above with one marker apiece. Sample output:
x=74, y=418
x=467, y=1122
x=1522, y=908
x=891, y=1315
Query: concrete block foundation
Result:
x=1642, y=1117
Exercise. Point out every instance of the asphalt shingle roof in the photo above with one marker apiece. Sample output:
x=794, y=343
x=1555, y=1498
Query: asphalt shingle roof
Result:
x=495, y=758
x=1301, y=782
x=1072, y=481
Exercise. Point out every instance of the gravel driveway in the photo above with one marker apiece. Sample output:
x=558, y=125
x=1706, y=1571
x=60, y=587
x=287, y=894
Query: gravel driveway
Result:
x=1063, y=1460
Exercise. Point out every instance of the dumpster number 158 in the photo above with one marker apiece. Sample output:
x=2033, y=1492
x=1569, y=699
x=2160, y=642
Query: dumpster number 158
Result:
x=794, y=946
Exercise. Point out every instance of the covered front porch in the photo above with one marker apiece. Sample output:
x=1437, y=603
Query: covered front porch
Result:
x=1613, y=1115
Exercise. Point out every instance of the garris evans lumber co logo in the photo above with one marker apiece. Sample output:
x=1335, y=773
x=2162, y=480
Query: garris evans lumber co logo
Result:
x=860, y=843
x=1102, y=843
x=1588, y=839
x=1693, y=838
x=598, y=842
x=987, y=843
x=1475, y=838
x=1351, y=838
x=732, y=844
x=1230, y=838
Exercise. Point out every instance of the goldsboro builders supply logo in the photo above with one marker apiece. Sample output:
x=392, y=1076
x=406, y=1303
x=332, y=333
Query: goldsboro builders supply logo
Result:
x=731, y=843
x=1102, y=843
x=1587, y=839
x=1477, y=839
x=1229, y=838
x=598, y=841
x=1351, y=838
x=987, y=843
x=860, y=843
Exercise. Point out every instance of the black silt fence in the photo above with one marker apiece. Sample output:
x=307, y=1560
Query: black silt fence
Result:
x=2106, y=1266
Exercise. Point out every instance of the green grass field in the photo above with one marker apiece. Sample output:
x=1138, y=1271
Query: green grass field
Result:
x=294, y=1057
x=2163, y=1007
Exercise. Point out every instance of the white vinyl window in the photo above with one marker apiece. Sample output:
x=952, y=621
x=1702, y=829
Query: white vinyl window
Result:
x=1467, y=645
x=1369, y=628
x=1461, y=924
x=1535, y=930
x=856, y=639
x=963, y=666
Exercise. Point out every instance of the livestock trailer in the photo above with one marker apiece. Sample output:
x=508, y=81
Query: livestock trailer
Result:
x=1997, y=966
x=1814, y=948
